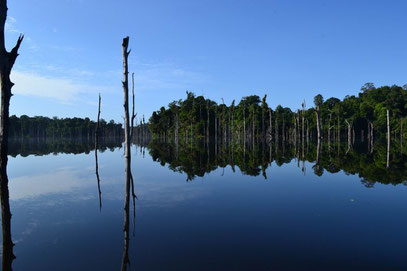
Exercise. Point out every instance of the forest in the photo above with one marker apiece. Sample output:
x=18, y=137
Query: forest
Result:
x=68, y=128
x=355, y=117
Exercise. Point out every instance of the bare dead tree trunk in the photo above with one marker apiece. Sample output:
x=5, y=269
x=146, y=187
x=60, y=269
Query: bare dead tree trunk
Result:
x=262, y=124
x=329, y=127
x=253, y=126
x=388, y=138
x=216, y=135
x=298, y=125
x=233, y=124
x=339, y=130
x=133, y=116
x=207, y=130
x=303, y=120
x=349, y=134
x=229, y=135
x=270, y=127
x=96, y=154
x=318, y=123
x=7, y=60
x=192, y=120
x=371, y=137
x=127, y=155
x=295, y=131
x=244, y=122
x=176, y=129
x=223, y=122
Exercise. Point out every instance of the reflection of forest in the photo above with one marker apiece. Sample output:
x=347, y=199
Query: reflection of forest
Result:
x=253, y=159
x=44, y=146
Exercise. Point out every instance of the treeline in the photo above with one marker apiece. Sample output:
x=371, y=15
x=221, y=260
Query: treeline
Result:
x=67, y=128
x=355, y=117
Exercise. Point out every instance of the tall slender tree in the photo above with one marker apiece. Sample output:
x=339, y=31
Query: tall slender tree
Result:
x=388, y=137
x=264, y=108
x=96, y=155
x=127, y=153
x=318, y=100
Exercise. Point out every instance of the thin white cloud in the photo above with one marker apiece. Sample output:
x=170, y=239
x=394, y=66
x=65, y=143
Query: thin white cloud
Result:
x=163, y=76
x=67, y=85
x=60, y=89
x=61, y=48
x=72, y=73
x=10, y=25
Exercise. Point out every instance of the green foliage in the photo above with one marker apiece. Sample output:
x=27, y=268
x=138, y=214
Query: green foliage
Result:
x=34, y=127
x=318, y=100
x=368, y=107
x=366, y=87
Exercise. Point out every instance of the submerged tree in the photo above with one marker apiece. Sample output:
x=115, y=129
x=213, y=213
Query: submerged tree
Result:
x=96, y=155
x=252, y=119
x=7, y=60
x=318, y=100
x=127, y=154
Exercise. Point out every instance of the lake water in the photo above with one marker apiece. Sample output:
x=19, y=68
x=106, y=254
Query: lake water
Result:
x=236, y=208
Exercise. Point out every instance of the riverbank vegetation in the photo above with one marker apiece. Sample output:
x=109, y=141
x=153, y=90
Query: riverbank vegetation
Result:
x=355, y=117
x=42, y=127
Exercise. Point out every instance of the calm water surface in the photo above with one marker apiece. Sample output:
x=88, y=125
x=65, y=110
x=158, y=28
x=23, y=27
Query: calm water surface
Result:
x=225, y=220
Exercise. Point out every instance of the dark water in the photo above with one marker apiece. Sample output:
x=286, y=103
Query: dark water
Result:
x=231, y=208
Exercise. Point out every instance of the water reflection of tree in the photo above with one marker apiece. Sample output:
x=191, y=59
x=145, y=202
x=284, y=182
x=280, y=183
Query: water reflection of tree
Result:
x=7, y=245
x=199, y=159
x=49, y=146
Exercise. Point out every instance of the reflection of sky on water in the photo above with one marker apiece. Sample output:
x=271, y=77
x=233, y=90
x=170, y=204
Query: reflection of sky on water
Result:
x=288, y=219
x=63, y=180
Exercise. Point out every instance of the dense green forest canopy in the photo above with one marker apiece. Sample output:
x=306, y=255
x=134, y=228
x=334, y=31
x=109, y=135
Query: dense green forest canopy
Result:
x=30, y=127
x=196, y=116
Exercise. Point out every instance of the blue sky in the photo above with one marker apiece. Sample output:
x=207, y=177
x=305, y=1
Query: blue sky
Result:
x=289, y=50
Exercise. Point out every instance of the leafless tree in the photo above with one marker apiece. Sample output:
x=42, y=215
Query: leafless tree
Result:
x=388, y=138
x=7, y=60
x=127, y=154
x=96, y=155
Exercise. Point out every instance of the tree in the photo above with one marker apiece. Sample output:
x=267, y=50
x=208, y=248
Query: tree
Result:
x=96, y=155
x=366, y=87
x=232, y=112
x=318, y=101
x=7, y=60
x=264, y=108
x=127, y=153
x=363, y=112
